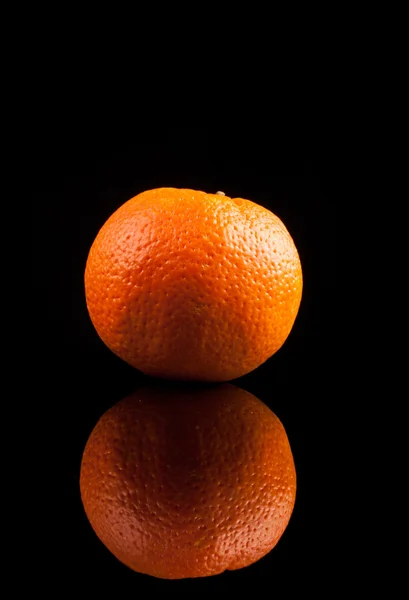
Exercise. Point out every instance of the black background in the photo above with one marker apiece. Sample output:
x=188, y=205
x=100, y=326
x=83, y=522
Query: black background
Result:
x=83, y=179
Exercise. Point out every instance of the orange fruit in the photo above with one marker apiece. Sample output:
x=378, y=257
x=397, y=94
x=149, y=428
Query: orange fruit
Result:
x=193, y=286
x=183, y=482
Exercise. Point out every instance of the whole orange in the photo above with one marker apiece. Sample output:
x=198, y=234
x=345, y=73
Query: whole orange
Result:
x=188, y=482
x=193, y=286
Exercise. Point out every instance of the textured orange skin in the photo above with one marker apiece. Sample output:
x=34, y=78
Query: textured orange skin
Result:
x=193, y=286
x=188, y=483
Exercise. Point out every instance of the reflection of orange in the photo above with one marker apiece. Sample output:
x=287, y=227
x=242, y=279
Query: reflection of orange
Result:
x=186, y=482
x=193, y=286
